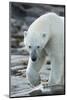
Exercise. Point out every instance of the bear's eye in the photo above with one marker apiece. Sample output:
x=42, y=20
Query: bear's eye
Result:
x=29, y=46
x=38, y=46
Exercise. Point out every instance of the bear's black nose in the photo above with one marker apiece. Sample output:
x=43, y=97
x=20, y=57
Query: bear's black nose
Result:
x=33, y=55
x=33, y=58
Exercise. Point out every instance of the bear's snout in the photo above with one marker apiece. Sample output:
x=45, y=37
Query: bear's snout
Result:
x=33, y=55
x=33, y=58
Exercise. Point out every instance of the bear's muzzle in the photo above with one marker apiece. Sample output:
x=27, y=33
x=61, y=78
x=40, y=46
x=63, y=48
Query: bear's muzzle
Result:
x=33, y=55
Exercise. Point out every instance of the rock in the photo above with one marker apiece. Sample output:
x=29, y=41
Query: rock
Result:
x=13, y=50
x=14, y=43
x=18, y=70
x=20, y=67
x=36, y=93
x=15, y=25
x=24, y=27
x=35, y=11
x=29, y=19
x=17, y=10
x=23, y=72
x=23, y=51
x=21, y=44
x=19, y=86
x=17, y=60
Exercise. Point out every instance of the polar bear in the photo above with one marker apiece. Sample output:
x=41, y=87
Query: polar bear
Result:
x=45, y=36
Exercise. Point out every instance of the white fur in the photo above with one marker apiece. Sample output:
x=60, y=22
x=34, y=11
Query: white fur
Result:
x=52, y=26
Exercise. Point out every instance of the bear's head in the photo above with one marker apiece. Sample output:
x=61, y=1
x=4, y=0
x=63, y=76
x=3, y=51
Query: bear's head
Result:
x=35, y=44
x=36, y=38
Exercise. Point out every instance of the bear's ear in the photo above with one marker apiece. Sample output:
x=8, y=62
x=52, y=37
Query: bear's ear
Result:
x=44, y=34
x=25, y=33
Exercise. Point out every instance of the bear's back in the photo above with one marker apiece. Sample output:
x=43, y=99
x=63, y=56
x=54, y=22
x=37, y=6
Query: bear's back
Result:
x=45, y=22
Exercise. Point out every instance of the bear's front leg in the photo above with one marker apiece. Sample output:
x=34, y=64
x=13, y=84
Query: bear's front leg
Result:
x=57, y=74
x=32, y=73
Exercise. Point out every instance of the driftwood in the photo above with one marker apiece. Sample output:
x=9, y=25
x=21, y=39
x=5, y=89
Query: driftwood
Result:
x=49, y=90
